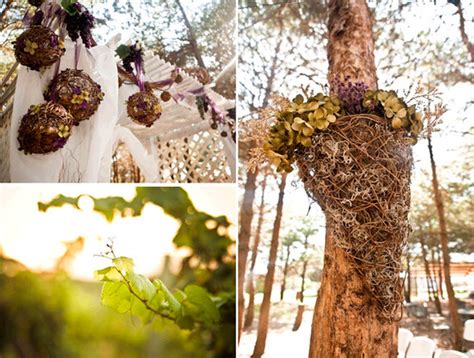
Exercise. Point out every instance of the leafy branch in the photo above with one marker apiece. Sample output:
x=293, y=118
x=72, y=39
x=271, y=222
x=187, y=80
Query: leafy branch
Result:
x=129, y=292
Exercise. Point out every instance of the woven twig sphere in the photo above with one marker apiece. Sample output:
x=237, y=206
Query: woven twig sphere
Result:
x=44, y=129
x=144, y=108
x=358, y=170
x=77, y=92
x=38, y=47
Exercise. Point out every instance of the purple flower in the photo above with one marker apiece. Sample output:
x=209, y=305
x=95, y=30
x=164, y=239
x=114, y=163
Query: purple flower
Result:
x=76, y=90
x=59, y=142
x=84, y=105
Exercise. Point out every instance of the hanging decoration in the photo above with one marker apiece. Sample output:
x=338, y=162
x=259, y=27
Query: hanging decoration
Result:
x=77, y=92
x=44, y=129
x=142, y=107
x=72, y=95
x=38, y=47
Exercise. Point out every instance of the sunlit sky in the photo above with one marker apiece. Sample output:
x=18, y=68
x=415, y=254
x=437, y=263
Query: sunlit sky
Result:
x=36, y=239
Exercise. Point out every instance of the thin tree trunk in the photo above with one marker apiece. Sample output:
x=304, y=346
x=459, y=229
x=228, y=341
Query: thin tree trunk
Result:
x=434, y=290
x=305, y=267
x=440, y=271
x=249, y=315
x=443, y=234
x=192, y=36
x=301, y=306
x=246, y=216
x=462, y=28
x=299, y=317
x=435, y=273
x=345, y=322
x=285, y=273
x=259, y=348
x=408, y=290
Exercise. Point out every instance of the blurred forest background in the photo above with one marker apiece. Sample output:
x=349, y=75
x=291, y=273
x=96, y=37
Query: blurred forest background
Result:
x=50, y=304
x=419, y=46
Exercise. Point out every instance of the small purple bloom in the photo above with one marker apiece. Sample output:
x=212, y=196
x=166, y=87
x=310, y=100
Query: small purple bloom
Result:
x=76, y=90
x=60, y=142
x=84, y=105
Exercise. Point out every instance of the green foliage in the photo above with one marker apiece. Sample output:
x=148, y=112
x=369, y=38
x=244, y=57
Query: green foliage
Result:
x=204, y=298
x=388, y=104
x=67, y=6
x=129, y=292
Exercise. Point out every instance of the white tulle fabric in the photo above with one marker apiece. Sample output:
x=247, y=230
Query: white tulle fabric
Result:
x=87, y=154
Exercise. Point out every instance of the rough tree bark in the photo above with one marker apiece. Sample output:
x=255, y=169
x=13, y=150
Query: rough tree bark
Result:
x=345, y=323
x=250, y=313
x=285, y=272
x=443, y=235
x=262, y=331
x=246, y=216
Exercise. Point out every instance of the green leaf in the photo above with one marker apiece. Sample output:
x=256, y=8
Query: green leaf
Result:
x=200, y=298
x=141, y=285
x=139, y=309
x=123, y=264
x=117, y=296
x=67, y=6
x=122, y=51
x=173, y=303
x=108, y=274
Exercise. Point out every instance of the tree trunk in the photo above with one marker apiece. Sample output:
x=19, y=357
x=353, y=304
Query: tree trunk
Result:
x=299, y=317
x=440, y=271
x=305, y=267
x=259, y=348
x=429, y=279
x=249, y=315
x=462, y=28
x=408, y=278
x=285, y=273
x=346, y=323
x=246, y=216
x=443, y=234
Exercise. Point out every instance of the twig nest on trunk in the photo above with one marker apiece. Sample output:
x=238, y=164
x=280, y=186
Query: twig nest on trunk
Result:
x=359, y=173
x=45, y=128
x=144, y=108
x=77, y=92
x=38, y=47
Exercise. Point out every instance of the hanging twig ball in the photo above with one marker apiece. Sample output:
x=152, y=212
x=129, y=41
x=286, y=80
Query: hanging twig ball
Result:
x=45, y=128
x=144, y=108
x=38, y=47
x=76, y=91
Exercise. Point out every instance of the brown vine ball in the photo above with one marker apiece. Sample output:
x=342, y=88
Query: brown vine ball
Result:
x=76, y=91
x=144, y=108
x=165, y=96
x=38, y=47
x=36, y=3
x=44, y=129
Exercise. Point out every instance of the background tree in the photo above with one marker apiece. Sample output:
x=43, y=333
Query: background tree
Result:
x=259, y=348
x=287, y=245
